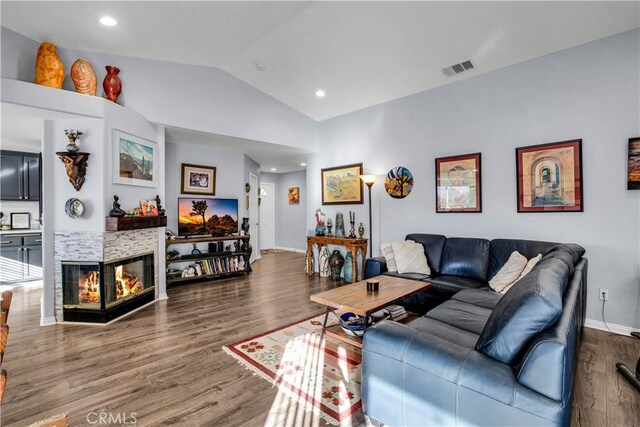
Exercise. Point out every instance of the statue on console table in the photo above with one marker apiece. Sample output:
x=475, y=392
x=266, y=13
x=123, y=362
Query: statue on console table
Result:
x=116, y=212
x=320, y=217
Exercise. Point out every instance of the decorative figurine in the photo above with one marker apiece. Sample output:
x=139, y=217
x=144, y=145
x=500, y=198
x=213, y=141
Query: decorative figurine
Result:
x=361, y=230
x=245, y=226
x=227, y=248
x=112, y=85
x=83, y=76
x=339, y=225
x=72, y=136
x=116, y=212
x=320, y=217
x=49, y=67
x=352, y=221
x=329, y=226
x=160, y=210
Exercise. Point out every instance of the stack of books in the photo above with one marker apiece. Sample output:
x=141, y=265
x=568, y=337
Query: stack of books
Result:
x=397, y=312
x=214, y=266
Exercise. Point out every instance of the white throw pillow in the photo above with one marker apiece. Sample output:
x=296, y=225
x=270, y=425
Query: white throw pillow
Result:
x=509, y=273
x=410, y=257
x=530, y=264
x=387, y=251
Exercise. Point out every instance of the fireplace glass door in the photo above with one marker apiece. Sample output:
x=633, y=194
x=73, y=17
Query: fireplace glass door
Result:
x=128, y=278
x=81, y=285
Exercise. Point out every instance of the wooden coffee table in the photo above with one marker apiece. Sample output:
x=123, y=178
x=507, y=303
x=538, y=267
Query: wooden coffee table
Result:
x=355, y=298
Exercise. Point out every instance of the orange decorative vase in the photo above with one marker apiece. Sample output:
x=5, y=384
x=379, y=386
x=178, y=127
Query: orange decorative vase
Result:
x=112, y=85
x=83, y=76
x=49, y=67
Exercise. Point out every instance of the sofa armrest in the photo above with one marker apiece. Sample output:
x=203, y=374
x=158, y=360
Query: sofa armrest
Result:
x=374, y=267
x=409, y=376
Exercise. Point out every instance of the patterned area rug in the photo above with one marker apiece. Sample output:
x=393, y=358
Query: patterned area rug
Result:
x=319, y=377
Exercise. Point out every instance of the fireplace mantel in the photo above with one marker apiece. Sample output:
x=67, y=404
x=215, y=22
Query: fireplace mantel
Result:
x=134, y=222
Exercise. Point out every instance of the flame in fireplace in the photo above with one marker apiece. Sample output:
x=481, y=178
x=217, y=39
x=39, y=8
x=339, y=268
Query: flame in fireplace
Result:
x=126, y=283
x=89, y=291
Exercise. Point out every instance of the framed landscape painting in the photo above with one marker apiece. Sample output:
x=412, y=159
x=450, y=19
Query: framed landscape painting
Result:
x=134, y=161
x=458, y=184
x=198, y=179
x=549, y=177
x=341, y=185
x=633, y=171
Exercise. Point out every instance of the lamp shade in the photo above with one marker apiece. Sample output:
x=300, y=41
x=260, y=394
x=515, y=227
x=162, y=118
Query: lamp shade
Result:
x=368, y=179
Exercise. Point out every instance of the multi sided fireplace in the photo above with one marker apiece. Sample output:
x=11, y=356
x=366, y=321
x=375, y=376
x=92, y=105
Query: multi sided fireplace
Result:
x=99, y=292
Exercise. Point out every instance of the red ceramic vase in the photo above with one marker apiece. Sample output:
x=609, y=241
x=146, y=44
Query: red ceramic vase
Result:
x=112, y=85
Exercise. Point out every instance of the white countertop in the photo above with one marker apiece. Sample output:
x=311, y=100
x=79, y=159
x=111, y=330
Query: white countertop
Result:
x=20, y=231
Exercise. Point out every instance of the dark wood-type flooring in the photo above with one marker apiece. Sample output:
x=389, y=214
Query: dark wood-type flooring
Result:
x=165, y=362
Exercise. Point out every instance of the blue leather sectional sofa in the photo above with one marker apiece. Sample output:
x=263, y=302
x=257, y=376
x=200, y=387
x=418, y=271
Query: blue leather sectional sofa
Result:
x=479, y=357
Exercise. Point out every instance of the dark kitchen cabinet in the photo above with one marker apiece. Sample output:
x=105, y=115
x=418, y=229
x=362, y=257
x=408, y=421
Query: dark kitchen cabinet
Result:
x=20, y=257
x=20, y=174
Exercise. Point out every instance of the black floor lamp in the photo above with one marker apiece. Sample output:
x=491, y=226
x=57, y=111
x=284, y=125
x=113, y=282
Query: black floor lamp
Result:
x=369, y=180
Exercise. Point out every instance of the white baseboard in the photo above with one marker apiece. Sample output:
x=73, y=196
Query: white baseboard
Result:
x=47, y=321
x=300, y=251
x=616, y=329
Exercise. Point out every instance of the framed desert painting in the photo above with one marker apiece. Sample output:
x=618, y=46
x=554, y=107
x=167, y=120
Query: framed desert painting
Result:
x=458, y=184
x=341, y=185
x=198, y=179
x=633, y=170
x=550, y=177
x=294, y=195
x=134, y=161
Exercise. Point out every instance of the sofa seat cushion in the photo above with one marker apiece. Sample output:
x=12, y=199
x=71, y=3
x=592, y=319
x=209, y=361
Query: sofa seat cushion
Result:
x=462, y=315
x=445, y=331
x=452, y=284
x=480, y=297
x=410, y=276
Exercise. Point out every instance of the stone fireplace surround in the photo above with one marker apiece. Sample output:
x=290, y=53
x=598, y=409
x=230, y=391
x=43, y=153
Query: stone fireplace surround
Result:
x=101, y=247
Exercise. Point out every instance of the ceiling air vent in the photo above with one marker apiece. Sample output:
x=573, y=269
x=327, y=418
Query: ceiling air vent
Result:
x=458, y=68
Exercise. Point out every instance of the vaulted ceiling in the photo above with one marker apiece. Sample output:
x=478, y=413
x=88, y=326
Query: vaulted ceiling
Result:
x=359, y=53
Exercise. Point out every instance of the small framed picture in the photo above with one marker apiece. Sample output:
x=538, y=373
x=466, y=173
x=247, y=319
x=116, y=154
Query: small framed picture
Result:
x=294, y=195
x=148, y=208
x=198, y=179
x=550, y=177
x=458, y=184
x=633, y=167
x=20, y=220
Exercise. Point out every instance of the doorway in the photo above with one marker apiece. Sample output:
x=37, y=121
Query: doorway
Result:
x=254, y=230
x=267, y=216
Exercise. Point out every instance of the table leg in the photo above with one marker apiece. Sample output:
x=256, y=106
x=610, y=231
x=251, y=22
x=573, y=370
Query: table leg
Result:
x=324, y=324
x=364, y=259
x=354, y=264
x=309, y=258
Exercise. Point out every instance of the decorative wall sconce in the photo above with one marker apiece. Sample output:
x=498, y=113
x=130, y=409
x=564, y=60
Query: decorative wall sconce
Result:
x=76, y=166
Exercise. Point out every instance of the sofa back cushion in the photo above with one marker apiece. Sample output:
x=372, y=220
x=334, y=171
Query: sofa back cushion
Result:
x=531, y=306
x=465, y=257
x=433, y=244
x=501, y=250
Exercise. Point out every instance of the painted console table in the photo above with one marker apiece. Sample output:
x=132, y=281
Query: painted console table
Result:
x=352, y=245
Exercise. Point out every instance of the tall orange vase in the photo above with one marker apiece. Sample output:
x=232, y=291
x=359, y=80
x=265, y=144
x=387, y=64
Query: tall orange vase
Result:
x=49, y=67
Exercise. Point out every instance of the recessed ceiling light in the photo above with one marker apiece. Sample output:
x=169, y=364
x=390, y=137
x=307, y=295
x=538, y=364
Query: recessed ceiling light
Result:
x=260, y=67
x=108, y=21
x=303, y=164
x=320, y=93
x=273, y=169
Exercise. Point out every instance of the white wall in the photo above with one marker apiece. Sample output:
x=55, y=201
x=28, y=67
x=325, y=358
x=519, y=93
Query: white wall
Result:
x=589, y=92
x=191, y=97
x=290, y=221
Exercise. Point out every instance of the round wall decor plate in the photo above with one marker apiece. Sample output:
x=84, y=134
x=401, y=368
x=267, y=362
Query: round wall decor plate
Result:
x=74, y=208
x=399, y=182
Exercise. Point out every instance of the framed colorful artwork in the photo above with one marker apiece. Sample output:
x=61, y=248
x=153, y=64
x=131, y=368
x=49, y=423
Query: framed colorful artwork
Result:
x=134, y=161
x=341, y=185
x=398, y=182
x=633, y=167
x=549, y=177
x=294, y=195
x=198, y=179
x=458, y=184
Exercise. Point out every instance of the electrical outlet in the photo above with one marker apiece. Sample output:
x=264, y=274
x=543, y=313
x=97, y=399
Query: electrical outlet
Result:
x=604, y=294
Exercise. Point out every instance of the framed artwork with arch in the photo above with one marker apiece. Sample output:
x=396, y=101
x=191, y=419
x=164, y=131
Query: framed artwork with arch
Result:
x=549, y=177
